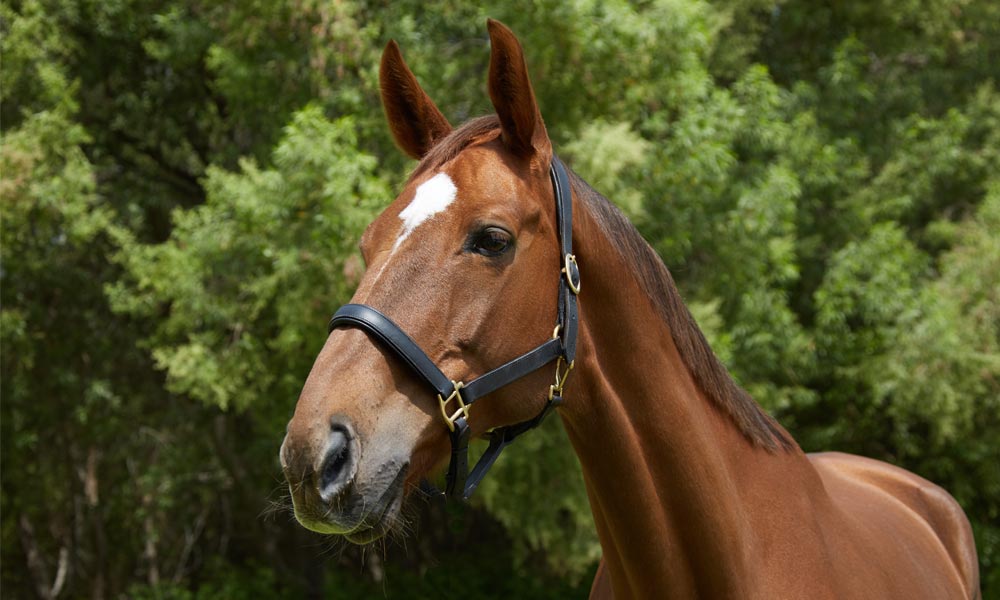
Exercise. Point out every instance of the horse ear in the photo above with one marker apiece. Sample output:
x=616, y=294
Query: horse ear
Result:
x=414, y=119
x=510, y=90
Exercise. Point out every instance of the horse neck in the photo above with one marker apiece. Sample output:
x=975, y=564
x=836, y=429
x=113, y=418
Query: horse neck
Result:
x=677, y=491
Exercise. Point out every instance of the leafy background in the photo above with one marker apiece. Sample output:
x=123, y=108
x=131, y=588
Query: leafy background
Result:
x=183, y=183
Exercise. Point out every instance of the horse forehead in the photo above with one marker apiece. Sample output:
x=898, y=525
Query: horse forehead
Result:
x=462, y=189
x=481, y=180
x=433, y=196
x=489, y=174
x=417, y=204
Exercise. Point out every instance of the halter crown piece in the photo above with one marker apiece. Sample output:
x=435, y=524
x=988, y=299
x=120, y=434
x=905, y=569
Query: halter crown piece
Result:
x=454, y=397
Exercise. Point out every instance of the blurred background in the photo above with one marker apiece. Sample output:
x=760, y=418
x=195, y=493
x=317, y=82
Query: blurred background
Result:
x=184, y=184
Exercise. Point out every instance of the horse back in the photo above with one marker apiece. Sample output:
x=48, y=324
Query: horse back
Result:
x=900, y=526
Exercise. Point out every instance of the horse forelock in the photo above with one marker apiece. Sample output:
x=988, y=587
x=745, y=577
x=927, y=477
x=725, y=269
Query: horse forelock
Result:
x=475, y=131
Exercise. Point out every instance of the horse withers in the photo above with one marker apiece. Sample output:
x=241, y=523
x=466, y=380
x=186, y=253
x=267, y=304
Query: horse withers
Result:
x=695, y=490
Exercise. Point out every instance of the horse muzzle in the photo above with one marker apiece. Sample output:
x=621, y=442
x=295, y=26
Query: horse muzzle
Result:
x=333, y=492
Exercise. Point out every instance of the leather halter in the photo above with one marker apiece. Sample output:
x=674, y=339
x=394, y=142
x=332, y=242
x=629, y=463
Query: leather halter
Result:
x=561, y=348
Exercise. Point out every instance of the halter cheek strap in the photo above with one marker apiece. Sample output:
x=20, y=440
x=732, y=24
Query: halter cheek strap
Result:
x=454, y=397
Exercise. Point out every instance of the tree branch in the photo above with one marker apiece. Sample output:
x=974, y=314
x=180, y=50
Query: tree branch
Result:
x=36, y=564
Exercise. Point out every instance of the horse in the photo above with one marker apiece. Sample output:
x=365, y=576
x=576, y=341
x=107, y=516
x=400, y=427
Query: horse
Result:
x=695, y=490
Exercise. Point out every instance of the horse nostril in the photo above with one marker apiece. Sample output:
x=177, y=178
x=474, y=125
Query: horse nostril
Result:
x=336, y=462
x=283, y=454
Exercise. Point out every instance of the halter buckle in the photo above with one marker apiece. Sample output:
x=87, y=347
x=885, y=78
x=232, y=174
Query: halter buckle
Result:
x=463, y=408
x=572, y=271
x=561, y=377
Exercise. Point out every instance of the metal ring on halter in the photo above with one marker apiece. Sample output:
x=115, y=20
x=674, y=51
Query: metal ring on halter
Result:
x=572, y=271
x=556, y=390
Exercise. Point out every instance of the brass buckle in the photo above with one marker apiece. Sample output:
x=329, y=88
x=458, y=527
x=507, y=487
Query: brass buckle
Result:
x=561, y=377
x=463, y=408
x=574, y=286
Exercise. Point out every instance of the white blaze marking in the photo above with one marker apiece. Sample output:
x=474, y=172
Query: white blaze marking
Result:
x=432, y=197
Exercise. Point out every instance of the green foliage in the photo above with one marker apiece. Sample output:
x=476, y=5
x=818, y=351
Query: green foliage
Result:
x=184, y=182
x=221, y=582
x=468, y=572
x=250, y=273
x=944, y=367
x=606, y=151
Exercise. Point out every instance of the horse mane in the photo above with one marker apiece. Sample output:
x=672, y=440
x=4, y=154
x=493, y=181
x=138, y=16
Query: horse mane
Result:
x=655, y=280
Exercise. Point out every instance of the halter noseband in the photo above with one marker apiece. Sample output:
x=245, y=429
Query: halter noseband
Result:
x=561, y=348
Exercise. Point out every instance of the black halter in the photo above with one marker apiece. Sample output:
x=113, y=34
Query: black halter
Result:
x=561, y=348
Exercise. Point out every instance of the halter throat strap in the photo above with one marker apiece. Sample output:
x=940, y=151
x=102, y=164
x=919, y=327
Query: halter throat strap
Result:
x=454, y=397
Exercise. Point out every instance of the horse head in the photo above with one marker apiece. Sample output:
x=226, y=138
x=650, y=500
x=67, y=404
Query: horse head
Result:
x=466, y=260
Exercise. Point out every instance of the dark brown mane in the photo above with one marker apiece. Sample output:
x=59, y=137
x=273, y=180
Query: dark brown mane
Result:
x=655, y=279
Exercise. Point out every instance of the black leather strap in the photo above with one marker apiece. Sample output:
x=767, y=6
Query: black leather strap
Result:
x=500, y=438
x=458, y=481
x=512, y=371
x=387, y=332
x=568, y=319
x=564, y=208
x=458, y=466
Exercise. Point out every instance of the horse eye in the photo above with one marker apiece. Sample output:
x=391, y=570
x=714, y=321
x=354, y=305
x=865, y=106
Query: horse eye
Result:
x=491, y=241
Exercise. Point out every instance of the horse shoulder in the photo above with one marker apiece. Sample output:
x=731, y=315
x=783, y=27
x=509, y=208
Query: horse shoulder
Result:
x=903, y=510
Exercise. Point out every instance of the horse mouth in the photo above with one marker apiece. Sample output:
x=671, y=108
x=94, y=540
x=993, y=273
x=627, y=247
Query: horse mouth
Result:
x=370, y=530
x=382, y=515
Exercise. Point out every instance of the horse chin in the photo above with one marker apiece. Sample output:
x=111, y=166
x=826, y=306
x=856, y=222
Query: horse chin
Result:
x=366, y=534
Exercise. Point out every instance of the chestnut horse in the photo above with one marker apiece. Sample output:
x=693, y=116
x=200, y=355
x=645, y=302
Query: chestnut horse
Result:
x=695, y=490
